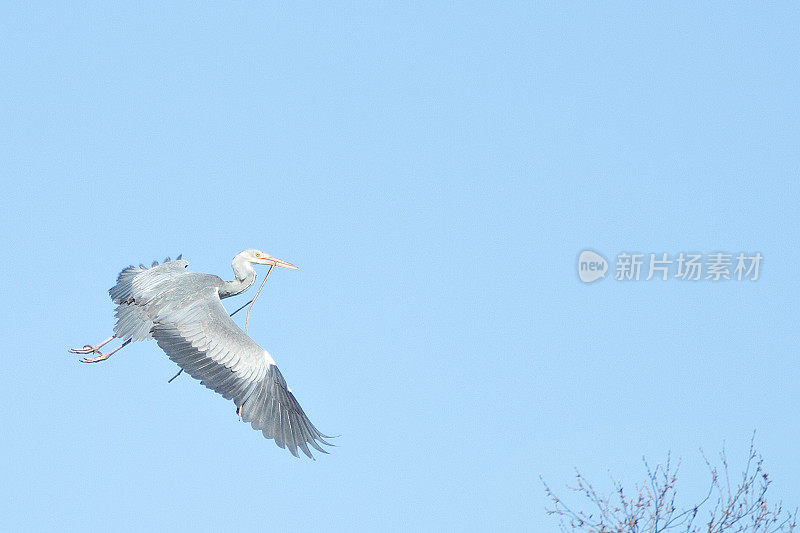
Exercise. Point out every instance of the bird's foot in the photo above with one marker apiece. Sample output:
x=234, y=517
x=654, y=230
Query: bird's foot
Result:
x=101, y=357
x=96, y=349
x=85, y=350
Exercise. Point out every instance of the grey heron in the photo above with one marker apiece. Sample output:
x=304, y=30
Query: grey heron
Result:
x=183, y=312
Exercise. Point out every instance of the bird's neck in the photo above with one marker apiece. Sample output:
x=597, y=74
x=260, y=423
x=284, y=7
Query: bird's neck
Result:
x=244, y=277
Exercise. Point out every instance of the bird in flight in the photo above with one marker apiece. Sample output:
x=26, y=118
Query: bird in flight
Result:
x=183, y=312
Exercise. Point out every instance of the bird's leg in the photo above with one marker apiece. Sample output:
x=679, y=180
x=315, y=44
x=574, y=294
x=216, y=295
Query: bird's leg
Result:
x=239, y=413
x=104, y=356
x=91, y=349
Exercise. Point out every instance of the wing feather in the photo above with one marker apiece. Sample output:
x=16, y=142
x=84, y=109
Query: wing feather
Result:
x=205, y=342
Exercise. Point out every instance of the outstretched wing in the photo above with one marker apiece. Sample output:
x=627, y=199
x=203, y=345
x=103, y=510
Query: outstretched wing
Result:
x=135, y=290
x=197, y=333
x=142, y=284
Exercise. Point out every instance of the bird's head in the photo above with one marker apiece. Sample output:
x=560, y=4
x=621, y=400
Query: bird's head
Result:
x=261, y=258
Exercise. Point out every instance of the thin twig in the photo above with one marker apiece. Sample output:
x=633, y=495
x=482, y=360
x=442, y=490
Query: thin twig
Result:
x=242, y=307
x=246, y=320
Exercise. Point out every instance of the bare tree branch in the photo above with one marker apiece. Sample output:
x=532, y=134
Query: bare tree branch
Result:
x=738, y=508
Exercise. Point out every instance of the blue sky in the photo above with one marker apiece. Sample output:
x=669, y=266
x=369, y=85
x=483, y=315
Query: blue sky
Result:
x=434, y=169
